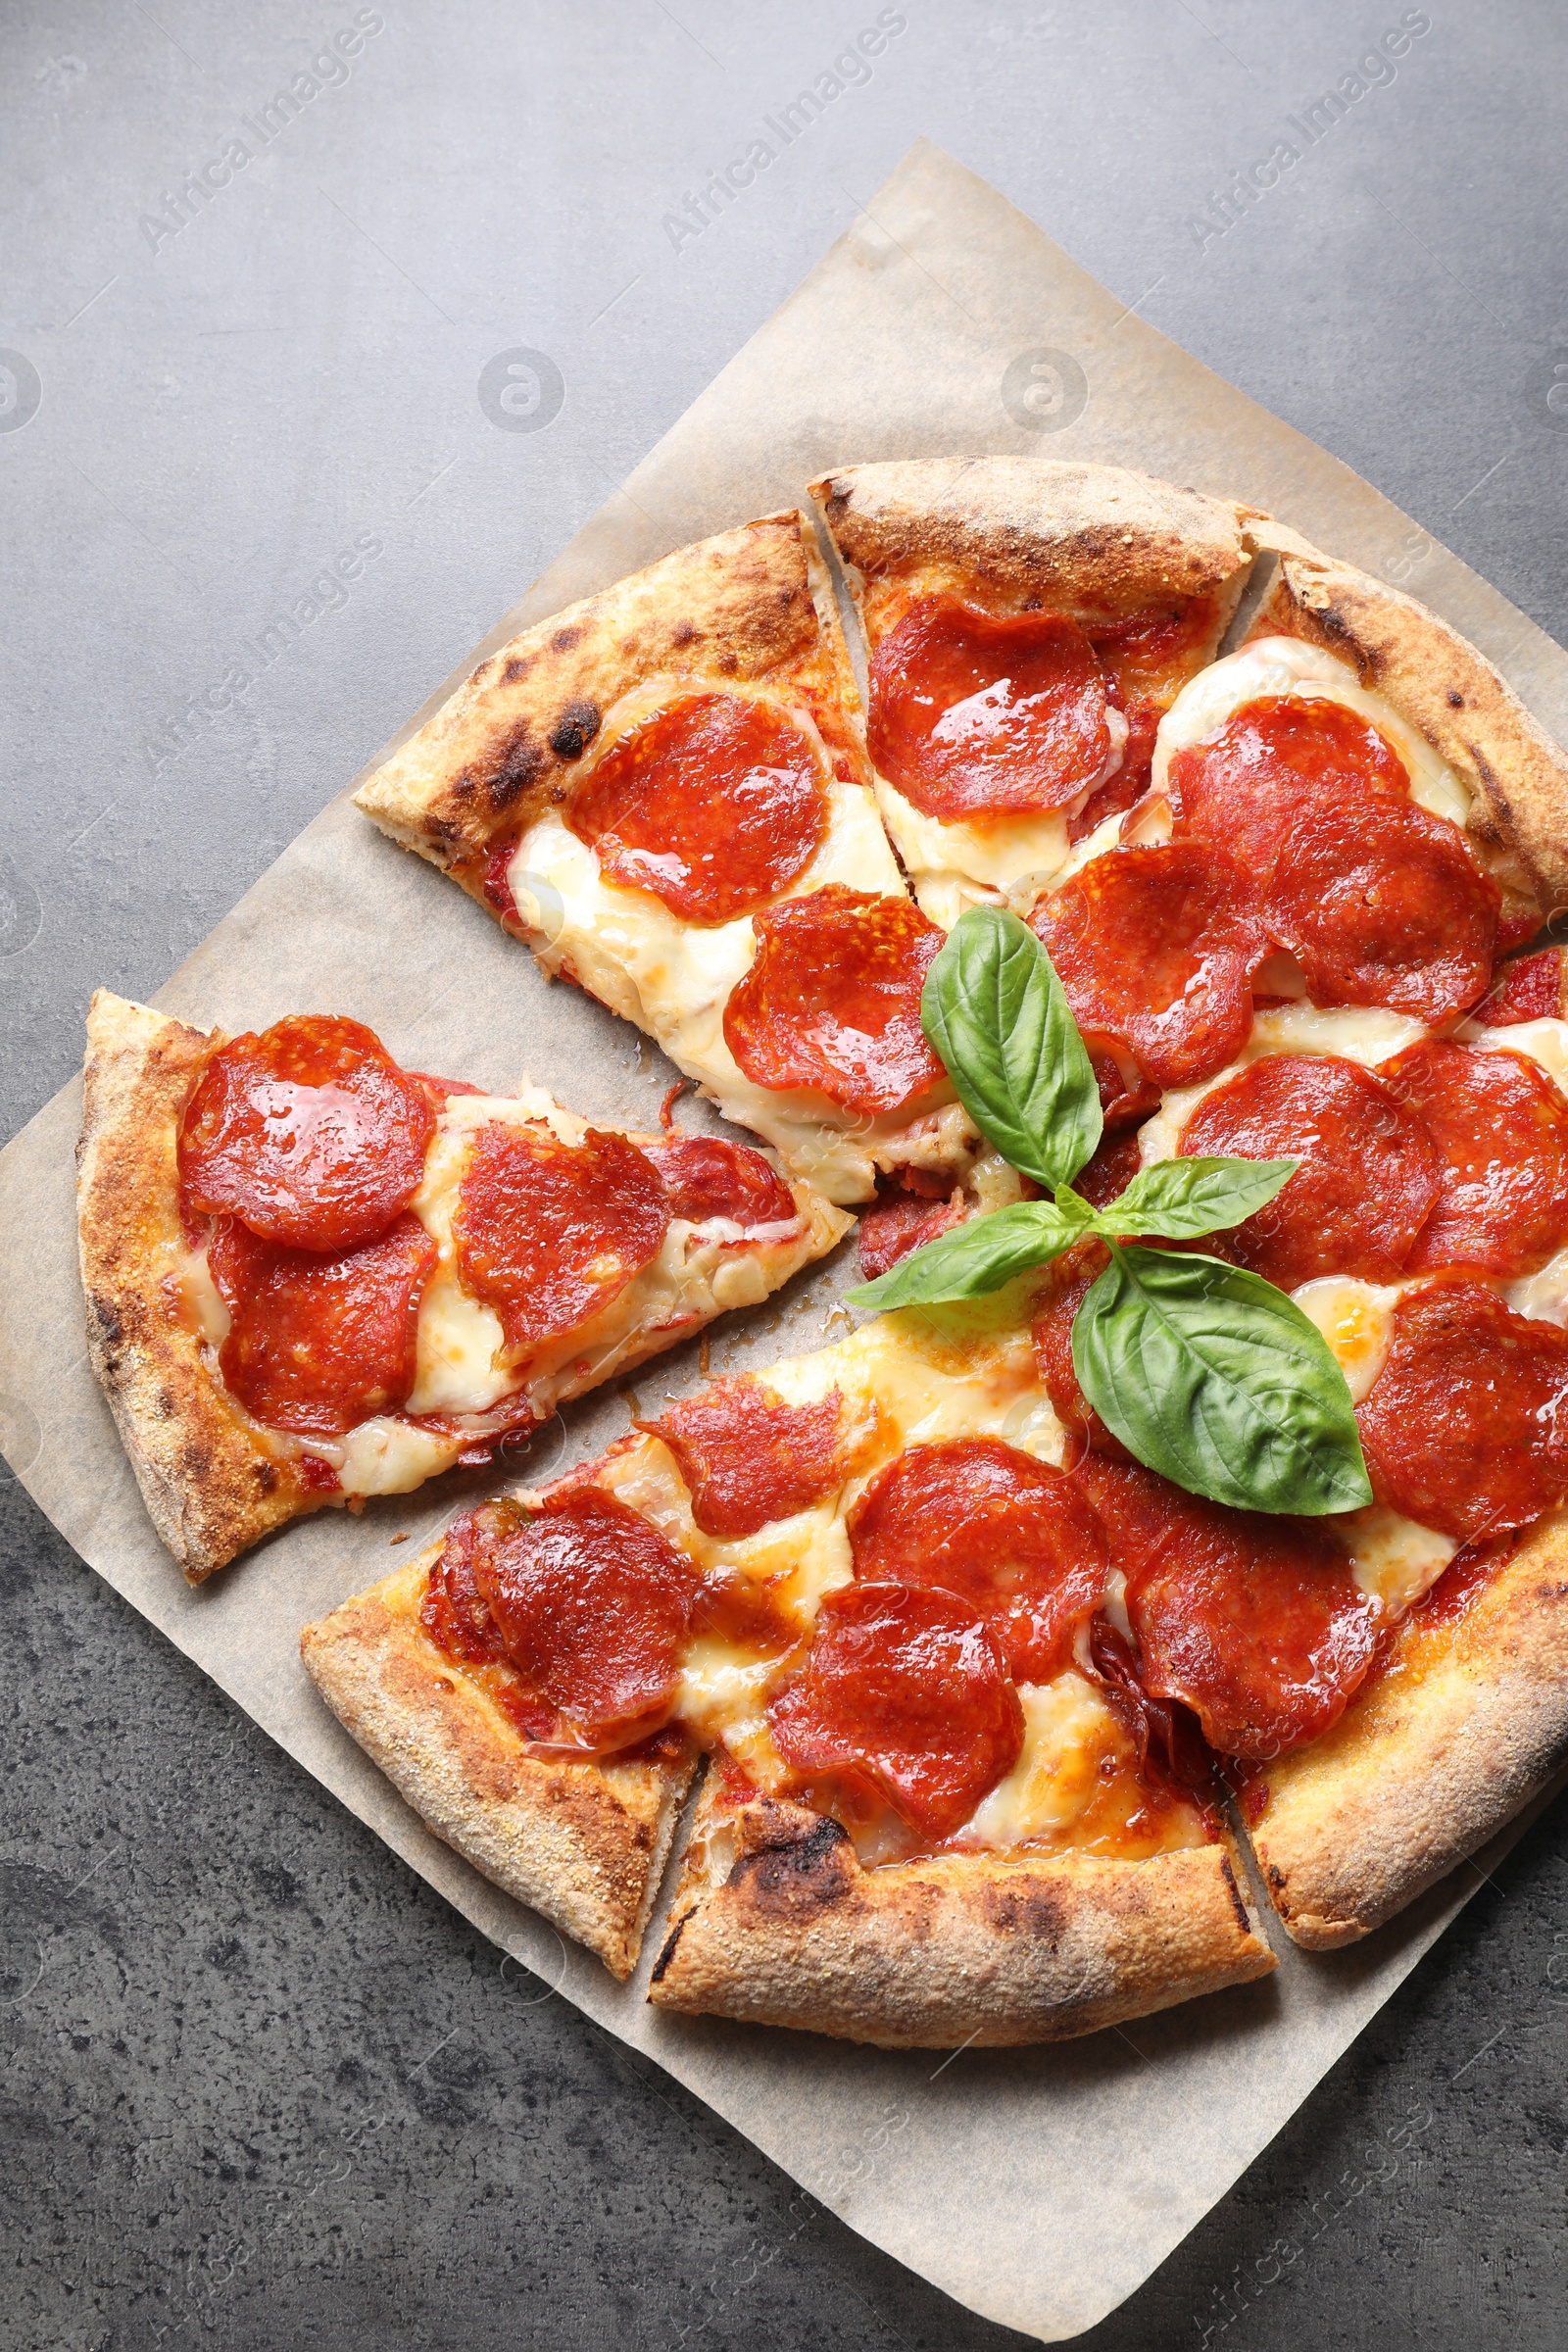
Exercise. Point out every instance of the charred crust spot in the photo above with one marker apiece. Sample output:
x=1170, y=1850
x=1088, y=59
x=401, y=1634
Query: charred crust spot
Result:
x=683, y=633
x=575, y=728
x=1455, y=699
x=267, y=1477
x=557, y=795
x=800, y=1873
x=517, y=667
x=106, y=1315
x=564, y=639
x=1026, y=1910
x=1276, y=1878
x=729, y=664
x=441, y=830
x=519, y=766
x=668, y=1952
x=1235, y=1893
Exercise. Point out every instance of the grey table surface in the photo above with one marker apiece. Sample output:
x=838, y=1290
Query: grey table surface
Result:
x=260, y=2087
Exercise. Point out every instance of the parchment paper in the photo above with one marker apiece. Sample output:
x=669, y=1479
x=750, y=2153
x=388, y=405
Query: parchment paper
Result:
x=1039, y=2187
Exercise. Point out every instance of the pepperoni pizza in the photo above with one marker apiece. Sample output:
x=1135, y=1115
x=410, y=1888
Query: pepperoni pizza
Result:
x=983, y=1705
x=312, y=1276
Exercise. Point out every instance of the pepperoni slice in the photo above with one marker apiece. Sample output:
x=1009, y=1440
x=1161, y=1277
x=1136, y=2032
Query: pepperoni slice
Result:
x=747, y=1458
x=1383, y=905
x=1368, y=1173
x=548, y=1233
x=832, y=999
x=452, y=1610
x=1254, y=1622
x=309, y=1134
x=1009, y=1537
x=973, y=715
x=591, y=1602
x=713, y=805
x=1156, y=949
x=707, y=1177
x=898, y=1222
x=1530, y=989
x=908, y=1688
x=1173, y=1757
x=1060, y=1297
x=1501, y=1132
x=1124, y=1102
x=1126, y=786
x=1249, y=787
x=1143, y=651
x=1464, y=1429
x=319, y=1340
x=1106, y=1177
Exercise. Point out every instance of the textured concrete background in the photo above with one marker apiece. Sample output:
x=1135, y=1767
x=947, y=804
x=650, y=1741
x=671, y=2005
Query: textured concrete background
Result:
x=260, y=2089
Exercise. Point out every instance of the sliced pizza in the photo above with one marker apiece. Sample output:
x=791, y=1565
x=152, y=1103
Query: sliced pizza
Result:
x=314, y=1276
x=664, y=790
x=940, y=1807
x=1027, y=624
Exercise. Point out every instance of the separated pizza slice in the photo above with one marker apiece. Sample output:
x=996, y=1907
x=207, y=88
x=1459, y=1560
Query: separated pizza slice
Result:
x=664, y=790
x=940, y=1808
x=1027, y=624
x=314, y=1276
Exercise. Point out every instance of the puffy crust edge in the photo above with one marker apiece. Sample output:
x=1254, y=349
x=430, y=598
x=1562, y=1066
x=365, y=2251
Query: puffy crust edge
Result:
x=1095, y=537
x=1518, y=774
x=499, y=750
x=1429, y=1761
x=994, y=1950
x=209, y=1486
x=583, y=1843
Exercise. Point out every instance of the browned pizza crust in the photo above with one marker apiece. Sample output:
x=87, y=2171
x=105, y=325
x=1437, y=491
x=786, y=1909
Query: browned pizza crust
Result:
x=1516, y=774
x=209, y=1483
x=585, y=1843
x=1429, y=1761
x=746, y=605
x=1085, y=540
x=776, y=1922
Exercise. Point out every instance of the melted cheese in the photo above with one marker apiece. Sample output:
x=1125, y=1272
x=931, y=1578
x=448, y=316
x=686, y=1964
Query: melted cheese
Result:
x=953, y=866
x=673, y=978
x=389, y=1457
x=1364, y=1034
x=1545, y=1042
x=1392, y=1558
x=1067, y=1730
x=1545, y=1293
x=1289, y=665
x=1356, y=1319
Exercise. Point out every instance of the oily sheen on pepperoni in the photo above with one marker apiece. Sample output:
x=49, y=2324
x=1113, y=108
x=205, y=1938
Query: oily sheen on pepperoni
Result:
x=1500, y=1128
x=309, y=1134
x=906, y=1687
x=747, y=1458
x=975, y=716
x=1530, y=989
x=1383, y=905
x=319, y=1340
x=591, y=1603
x=1250, y=785
x=548, y=1233
x=1060, y=1295
x=1254, y=1622
x=1156, y=949
x=707, y=1177
x=1465, y=1429
x=1368, y=1173
x=832, y=999
x=1009, y=1537
x=714, y=804
x=897, y=1222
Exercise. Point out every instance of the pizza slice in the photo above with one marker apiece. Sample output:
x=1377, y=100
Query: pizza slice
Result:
x=939, y=1807
x=664, y=790
x=1027, y=624
x=312, y=1276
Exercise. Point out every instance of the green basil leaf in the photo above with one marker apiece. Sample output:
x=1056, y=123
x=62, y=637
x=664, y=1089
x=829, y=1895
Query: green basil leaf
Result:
x=1212, y=1377
x=994, y=1009
x=1181, y=1198
x=974, y=1259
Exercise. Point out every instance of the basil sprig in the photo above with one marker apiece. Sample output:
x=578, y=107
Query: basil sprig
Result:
x=1206, y=1372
